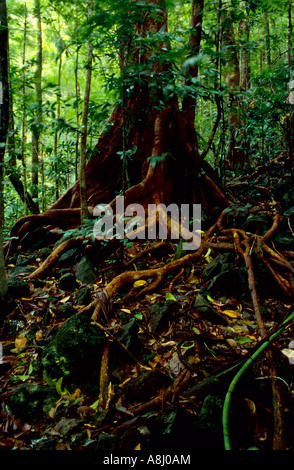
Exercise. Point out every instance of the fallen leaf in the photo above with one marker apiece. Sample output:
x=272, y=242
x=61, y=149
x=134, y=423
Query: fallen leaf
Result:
x=230, y=313
x=38, y=335
x=126, y=310
x=139, y=283
x=62, y=301
x=170, y=296
x=289, y=353
x=20, y=342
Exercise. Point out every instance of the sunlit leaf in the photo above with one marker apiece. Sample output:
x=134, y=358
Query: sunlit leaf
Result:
x=38, y=336
x=289, y=353
x=230, y=313
x=170, y=296
x=95, y=405
x=140, y=283
x=20, y=342
x=126, y=310
x=63, y=301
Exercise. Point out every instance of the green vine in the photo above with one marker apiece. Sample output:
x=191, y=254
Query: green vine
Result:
x=242, y=370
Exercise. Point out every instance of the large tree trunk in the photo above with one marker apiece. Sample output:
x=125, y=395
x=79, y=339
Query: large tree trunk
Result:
x=162, y=132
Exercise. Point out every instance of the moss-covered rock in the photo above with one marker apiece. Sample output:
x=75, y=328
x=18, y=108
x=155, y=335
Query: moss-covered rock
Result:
x=67, y=282
x=84, y=271
x=17, y=287
x=74, y=352
x=83, y=295
x=30, y=401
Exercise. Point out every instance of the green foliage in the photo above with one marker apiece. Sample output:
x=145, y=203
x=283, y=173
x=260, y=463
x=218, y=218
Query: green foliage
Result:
x=117, y=26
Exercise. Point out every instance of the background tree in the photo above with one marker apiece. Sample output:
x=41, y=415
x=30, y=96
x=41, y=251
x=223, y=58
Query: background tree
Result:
x=36, y=128
x=4, y=125
x=83, y=183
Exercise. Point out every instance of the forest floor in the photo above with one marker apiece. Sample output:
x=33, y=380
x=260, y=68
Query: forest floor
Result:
x=151, y=372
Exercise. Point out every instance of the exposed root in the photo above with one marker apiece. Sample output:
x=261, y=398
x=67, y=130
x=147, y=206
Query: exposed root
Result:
x=158, y=273
x=53, y=258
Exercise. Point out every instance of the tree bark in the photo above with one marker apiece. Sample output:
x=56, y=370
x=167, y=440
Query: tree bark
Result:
x=36, y=131
x=83, y=183
x=235, y=154
x=245, y=52
x=58, y=99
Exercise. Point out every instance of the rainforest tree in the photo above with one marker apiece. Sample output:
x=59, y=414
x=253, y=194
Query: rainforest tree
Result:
x=148, y=120
x=4, y=124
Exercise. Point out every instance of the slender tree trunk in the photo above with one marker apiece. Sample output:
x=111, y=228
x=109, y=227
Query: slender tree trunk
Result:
x=58, y=98
x=290, y=42
x=189, y=102
x=12, y=170
x=244, y=52
x=4, y=125
x=235, y=154
x=291, y=85
x=24, y=137
x=83, y=187
x=38, y=119
x=267, y=38
x=77, y=91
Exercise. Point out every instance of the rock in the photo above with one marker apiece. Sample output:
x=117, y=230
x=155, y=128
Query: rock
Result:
x=209, y=422
x=69, y=256
x=258, y=223
x=30, y=401
x=129, y=438
x=129, y=336
x=67, y=282
x=17, y=287
x=236, y=216
x=107, y=443
x=45, y=252
x=205, y=308
x=202, y=304
x=64, y=310
x=45, y=443
x=223, y=275
x=84, y=271
x=68, y=425
x=103, y=418
x=173, y=429
x=83, y=295
x=22, y=270
x=219, y=264
x=145, y=386
x=180, y=252
x=74, y=352
x=160, y=313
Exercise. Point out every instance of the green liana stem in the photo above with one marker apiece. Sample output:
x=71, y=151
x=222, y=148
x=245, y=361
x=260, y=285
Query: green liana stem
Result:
x=246, y=365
